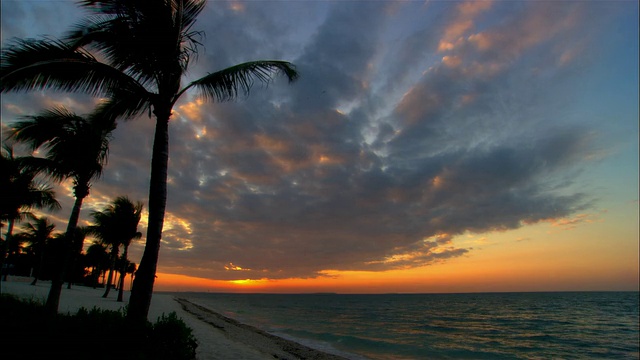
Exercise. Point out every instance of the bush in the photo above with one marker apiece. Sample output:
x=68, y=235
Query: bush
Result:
x=26, y=332
x=171, y=338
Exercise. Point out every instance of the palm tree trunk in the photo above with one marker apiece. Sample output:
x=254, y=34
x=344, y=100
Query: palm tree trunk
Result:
x=74, y=260
x=142, y=290
x=94, y=277
x=7, y=249
x=3, y=249
x=123, y=273
x=108, y=284
x=114, y=256
x=38, y=268
x=53, y=300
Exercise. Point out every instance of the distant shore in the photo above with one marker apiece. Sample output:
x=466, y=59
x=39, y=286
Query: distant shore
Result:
x=218, y=337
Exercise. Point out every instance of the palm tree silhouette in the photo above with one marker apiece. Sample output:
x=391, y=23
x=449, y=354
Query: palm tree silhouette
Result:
x=128, y=220
x=76, y=148
x=37, y=233
x=97, y=258
x=77, y=244
x=117, y=225
x=104, y=228
x=20, y=192
x=147, y=47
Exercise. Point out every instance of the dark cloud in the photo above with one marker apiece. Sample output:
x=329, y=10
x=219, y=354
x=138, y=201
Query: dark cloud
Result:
x=384, y=150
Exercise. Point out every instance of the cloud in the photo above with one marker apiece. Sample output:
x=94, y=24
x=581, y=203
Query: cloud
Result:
x=462, y=23
x=570, y=223
x=388, y=147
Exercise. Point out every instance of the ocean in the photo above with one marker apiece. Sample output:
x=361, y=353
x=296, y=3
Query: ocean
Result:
x=562, y=325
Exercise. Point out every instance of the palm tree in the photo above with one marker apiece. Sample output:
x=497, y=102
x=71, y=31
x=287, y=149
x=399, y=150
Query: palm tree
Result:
x=147, y=47
x=20, y=192
x=76, y=148
x=104, y=230
x=77, y=243
x=124, y=267
x=37, y=234
x=131, y=270
x=97, y=258
x=128, y=220
x=117, y=225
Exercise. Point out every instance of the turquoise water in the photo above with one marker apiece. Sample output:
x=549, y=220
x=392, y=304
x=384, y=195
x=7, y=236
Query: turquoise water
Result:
x=580, y=325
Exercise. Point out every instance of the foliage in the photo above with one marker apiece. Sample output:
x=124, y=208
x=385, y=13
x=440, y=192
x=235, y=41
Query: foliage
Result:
x=134, y=54
x=171, y=337
x=85, y=334
x=76, y=148
x=19, y=189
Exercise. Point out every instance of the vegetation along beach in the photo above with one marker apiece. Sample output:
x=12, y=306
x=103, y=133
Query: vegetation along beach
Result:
x=317, y=179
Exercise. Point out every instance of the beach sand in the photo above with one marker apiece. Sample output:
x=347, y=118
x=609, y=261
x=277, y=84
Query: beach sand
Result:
x=218, y=337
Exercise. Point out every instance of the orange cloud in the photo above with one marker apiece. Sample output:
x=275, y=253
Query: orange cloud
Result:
x=232, y=267
x=451, y=61
x=536, y=27
x=568, y=223
x=191, y=110
x=177, y=231
x=571, y=223
x=463, y=23
x=472, y=8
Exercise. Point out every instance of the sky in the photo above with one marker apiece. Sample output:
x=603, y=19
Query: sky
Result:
x=428, y=147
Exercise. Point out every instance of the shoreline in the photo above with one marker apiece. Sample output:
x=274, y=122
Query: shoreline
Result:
x=276, y=347
x=218, y=337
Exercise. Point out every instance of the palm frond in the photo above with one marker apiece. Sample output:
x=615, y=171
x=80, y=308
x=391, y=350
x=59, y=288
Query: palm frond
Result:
x=39, y=129
x=124, y=47
x=190, y=9
x=147, y=40
x=49, y=64
x=75, y=147
x=21, y=52
x=124, y=104
x=87, y=29
x=228, y=83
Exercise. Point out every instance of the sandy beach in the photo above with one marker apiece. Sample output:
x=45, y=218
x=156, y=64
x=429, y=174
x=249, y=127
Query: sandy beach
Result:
x=218, y=336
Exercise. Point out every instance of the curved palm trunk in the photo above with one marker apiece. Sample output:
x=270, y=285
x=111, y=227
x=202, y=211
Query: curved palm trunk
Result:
x=123, y=273
x=53, y=300
x=142, y=288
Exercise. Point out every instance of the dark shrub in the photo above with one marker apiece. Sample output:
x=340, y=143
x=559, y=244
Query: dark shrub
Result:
x=27, y=333
x=171, y=338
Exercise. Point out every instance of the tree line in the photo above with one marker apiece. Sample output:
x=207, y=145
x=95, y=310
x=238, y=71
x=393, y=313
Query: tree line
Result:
x=35, y=250
x=133, y=54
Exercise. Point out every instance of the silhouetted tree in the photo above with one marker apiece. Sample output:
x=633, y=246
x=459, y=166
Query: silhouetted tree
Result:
x=131, y=270
x=147, y=47
x=117, y=225
x=76, y=148
x=77, y=244
x=103, y=228
x=20, y=192
x=98, y=259
x=128, y=223
x=37, y=233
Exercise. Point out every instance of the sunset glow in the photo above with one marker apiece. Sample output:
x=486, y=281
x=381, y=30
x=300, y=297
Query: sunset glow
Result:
x=428, y=147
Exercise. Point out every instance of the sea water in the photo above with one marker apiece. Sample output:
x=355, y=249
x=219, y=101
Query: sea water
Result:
x=564, y=325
